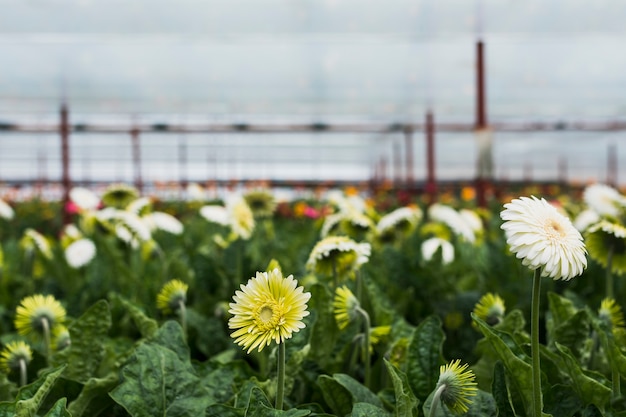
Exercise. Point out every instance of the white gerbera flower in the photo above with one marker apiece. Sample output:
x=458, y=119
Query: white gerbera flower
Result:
x=603, y=199
x=585, y=219
x=195, y=192
x=240, y=216
x=139, y=205
x=400, y=217
x=84, y=198
x=472, y=219
x=32, y=239
x=215, y=214
x=543, y=238
x=449, y=216
x=340, y=253
x=431, y=245
x=6, y=212
x=163, y=221
x=80, y=253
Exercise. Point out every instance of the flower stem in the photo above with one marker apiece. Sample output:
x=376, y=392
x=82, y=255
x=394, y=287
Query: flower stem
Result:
x=366, y=345
x=436, y=400
x=615, y=383
x=534, y=344
x=280, y=382
x=183, y=316
x=609, y=274
x=46, y=338
x=23, y=377
x=335, y=280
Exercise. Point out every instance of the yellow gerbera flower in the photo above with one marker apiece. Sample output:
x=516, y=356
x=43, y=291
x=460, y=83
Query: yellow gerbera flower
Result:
x=611, y=313
x=338, y=254
x=37, y=313
x=15, y=355
x=261, y=202
x=269, y=307
x=490, y=308
x=171, y=296
x=607, y=240
x=119, y=195
x=345, y=306
x=455, y=386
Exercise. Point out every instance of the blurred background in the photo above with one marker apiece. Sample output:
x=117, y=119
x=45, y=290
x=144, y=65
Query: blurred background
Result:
x=305, y=92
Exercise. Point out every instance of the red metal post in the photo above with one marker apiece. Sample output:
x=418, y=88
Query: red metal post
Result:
x=397, y=164
x=64, y=131
x=431, y=184
x=408, y=147
x=134, y=134
x=481, y=119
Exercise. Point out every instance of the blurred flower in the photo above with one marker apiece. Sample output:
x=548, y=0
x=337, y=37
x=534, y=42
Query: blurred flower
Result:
x=400, y=221
x=60, y=338
x=604, y=200
x=490, y=309
x=163, y=221
x=604, y=238
x=338, y=254
x=261, y=202
x=585, y=219
x=472, y=219
x=345, y=306
x=611, y=313
x=215, y=214
x=6, y=212
x=456, y=385
x=15, y=355
x=543, y=238
x=171, y=296
x=432, y=245
x=119, y=195
x=38, y=312
x=33, y=240
x=450, y=217
x=241, y=217
x=269, y=307
x=84, y=199
x=196, y=192
x=80, y=253
x=378, y=334
x=139, y=206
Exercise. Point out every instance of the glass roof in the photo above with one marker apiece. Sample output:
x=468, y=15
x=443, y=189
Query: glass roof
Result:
x=314, y=61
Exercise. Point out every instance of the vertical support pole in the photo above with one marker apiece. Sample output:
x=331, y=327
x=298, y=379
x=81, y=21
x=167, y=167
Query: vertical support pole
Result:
x=64, y=131
x=182, y=163
x=483, y=134
x=397, y=164
x=562, y=176
x=136, y=146
x=431, y=184
x=408, y=147
x=611, y=166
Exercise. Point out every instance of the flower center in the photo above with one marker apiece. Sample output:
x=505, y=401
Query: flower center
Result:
x=554, y=230
x=268, y=316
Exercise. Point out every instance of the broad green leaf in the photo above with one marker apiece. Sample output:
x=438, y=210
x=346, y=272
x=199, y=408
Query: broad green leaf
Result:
x=561, y=400
x=171, y=336
x=6, y=388
x=341, y=392
x=222, y=379
x=156, y=381
x=86, y=351
x=146, y=325
x=574, y=333
x=94, y=397
x=610, y=346
x=424, y=356
x=259, y=406
x=369, y=410
x=500, y=392
x=324, y=329
x=406, y=403
x=28, y=407
x=221, y=410
x=58, y=409
x=561, y=309
x=588, y=389
x=519, y=371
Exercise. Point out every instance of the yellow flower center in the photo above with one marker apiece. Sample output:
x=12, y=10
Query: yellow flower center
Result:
x=554, y=229
x=268, y=316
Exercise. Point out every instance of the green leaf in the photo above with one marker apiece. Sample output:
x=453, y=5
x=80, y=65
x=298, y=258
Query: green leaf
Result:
x=424, y=356
x=500, y=392
x=221, y=410
x=157, y=381
x=259, y=406
x=94, y=397
x=221, y=379
x=341, y=392
x=616, y=357
x=519, y=371
x=28, y=407
x=561, y=400
x=406, y=403
x=368, y=410
x=58, y=409
x=574, y=333
x=561, y=309
x=86, y=351
x=146, y=325
x=588, y=389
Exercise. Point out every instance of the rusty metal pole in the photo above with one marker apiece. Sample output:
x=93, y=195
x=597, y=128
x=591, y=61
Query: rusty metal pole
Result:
x=64, y=131
x=431, y=184
x=136, y=145
x=481, y=128
x=397, y=165
x=408, y=147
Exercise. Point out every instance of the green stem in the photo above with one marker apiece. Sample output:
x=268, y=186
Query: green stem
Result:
x=46, y=338
x=23, y=375
x=366, y=344
x=280, y=382
x=182, y=310
x=616, y=383
x=359, y=286
x=609, y=275
x=534, y=344
x=436, y=400
x=335, y=280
